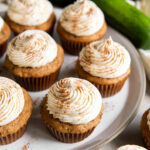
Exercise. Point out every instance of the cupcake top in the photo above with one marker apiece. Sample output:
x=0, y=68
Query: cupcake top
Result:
x=32, y=48
x=11, y=100
x=1, y=23
x=82, y=18
x=105, y=59
x=148, y=119
x=29, y=12
x=131, y=147
x=73, y=100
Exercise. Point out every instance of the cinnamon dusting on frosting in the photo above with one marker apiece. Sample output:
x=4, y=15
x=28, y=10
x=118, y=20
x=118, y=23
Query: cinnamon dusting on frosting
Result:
x=11, y=100
x=32, y=48
x=82, y=18
x=105, y=59
x=74, y=101
x=30, y=12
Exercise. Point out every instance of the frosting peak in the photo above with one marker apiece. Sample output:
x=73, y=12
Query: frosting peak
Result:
x=30, y=12
x=32, y=48
x=82, y=18
x=1, y=23
x=11, y=100
x=74, y=101
x=105, y=59
x=131, y=147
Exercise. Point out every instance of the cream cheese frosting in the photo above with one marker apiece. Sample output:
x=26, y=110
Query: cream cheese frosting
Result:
x=30, y=12
x=74, y=101
x=83, y=18
x=131, y=147
x=32, y=48
x=11, y=100
x=105, y=59
x=1, y=24
x=148, y=120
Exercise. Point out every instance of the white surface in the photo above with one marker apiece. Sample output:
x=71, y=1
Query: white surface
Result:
x=117, y=109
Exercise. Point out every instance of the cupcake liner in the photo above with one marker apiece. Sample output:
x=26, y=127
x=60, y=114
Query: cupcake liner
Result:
x=3, y=48
x=110, y=90
x=71, y=47
x=13, y=137
x=37, y=84
x=68, y=137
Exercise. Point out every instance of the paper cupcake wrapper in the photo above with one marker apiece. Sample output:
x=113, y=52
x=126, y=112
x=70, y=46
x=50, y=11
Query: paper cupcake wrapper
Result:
x=110, y=90
x=37, y=84
x=71, y=47
x=68, y=137
x=13, y=137
x=3, y=48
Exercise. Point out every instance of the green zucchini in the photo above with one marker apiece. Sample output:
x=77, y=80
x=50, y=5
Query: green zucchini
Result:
x=127, y=19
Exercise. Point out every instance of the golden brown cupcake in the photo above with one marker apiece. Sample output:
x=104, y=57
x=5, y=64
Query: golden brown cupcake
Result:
x=106, y=64
x=80, y=24
x=4, y=36
x=131, y=147
x=15, y=110
x=72, y=108
x=145, y=128
x=32, y=14
x=34, y=59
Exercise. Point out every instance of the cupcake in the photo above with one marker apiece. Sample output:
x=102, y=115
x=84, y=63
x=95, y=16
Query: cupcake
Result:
x=106, y=64
x=145, y=128
x=15, y=110
x=4, y=36
x=72, y=109
x=80, y=24
x=131, y=147
x=30, y=14
x=34, y=59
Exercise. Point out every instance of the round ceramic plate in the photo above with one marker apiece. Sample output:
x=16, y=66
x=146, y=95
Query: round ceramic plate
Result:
x=119, y=110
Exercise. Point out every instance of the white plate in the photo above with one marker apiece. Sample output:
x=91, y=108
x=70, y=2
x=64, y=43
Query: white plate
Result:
x=119, y=110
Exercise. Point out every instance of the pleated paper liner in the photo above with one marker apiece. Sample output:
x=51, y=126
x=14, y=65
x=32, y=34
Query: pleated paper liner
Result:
x=3, y=48
x=13, y=137
x=110, y=90
x=68, y=137
x=71, y=47
x=37, y=84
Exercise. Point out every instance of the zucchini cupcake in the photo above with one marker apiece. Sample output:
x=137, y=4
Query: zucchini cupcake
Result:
x=30, y=14
x=131, y=147
x=72, y=109
x=145, y=128
x=80, y=24
x=4, y=36
x=106, y=64
x=15, y=110
x=34, y=59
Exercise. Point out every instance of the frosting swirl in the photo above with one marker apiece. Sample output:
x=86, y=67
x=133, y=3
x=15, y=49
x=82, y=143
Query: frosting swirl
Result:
x=148, y=119
x=1, y=24
x=105, y=59
x=30, y=12
x=131, y=147
x=82, y=18
x=74, y=101
x=11, y=100
x=32, y=48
